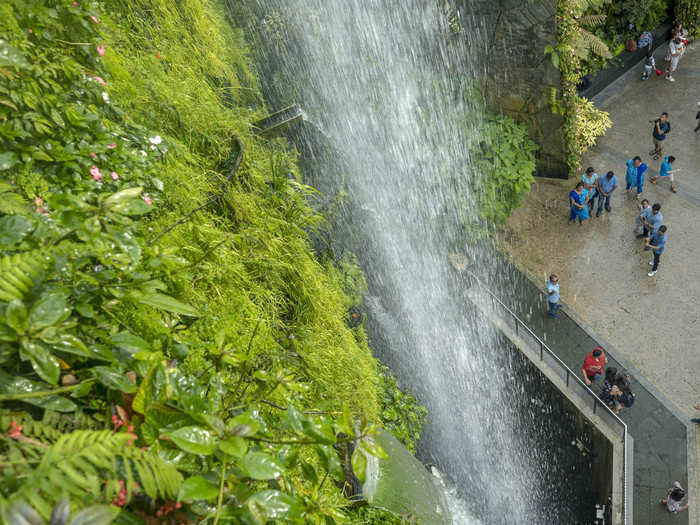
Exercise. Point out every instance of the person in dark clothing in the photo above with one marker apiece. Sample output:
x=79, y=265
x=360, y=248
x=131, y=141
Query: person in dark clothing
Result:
x=662, y=126
x=697, y=117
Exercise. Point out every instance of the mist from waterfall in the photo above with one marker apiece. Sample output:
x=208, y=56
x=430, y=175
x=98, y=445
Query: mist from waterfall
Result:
x=391, y=84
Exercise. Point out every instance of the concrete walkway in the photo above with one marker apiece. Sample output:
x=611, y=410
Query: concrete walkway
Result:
x=651, y=323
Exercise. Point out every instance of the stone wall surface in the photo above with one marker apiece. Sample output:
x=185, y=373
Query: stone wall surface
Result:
x=519, y=76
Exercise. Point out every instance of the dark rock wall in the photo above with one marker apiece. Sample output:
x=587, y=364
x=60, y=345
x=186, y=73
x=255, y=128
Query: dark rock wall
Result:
x=519, y=76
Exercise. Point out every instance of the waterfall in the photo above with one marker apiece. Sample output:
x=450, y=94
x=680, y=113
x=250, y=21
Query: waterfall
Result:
x=391, y=83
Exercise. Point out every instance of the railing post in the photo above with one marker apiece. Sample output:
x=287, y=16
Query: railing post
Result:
x=541, y=351
x=517, y=323
x=567, y=377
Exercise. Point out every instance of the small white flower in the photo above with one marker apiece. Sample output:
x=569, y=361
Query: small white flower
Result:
x=152, y=146
x=105, y=97
x=143, y=153
x=155, y=140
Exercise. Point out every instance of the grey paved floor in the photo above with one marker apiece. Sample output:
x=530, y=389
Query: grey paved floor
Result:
x=660, y=442
x=652, y=323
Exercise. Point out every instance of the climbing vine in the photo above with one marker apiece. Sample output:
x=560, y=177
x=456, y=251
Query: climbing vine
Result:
x=583, y=122
x=688, y=12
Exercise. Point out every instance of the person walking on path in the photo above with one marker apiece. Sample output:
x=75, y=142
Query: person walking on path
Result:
x=666, y=171
x=635, y=174
x=606, y=186
x=553, y=296
x=651, y=221
x=674, y=498
x=579, y=204
x=697, y=117
x=590, y=184
x=656, y=242
x=644, y=212
x=593, y=365
x=662, y=126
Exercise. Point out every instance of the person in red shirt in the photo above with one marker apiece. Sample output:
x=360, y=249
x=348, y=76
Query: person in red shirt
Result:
x=593, y=365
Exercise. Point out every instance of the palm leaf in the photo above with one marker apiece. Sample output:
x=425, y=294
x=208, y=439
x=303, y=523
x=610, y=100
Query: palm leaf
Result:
x=592, y=20
x=87, y=466
x=589, y=41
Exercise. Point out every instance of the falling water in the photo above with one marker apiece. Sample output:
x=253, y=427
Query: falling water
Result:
x=391, y=85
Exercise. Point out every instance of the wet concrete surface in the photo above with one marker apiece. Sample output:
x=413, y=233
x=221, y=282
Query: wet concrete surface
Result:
x=651, y=322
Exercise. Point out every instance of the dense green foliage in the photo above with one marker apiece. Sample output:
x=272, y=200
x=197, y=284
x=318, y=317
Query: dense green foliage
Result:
x=688, y=13
x=583, y=122
x=204, y=372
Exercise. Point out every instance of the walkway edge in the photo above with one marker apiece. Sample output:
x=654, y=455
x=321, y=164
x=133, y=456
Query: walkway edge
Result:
x=691, y=430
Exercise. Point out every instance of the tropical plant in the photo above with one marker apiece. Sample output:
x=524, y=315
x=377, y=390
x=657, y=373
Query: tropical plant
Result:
x=175, y=367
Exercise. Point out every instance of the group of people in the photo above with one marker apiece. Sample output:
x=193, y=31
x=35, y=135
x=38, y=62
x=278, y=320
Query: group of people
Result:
x=617, y=392
x=676, y=48
x=582, y=198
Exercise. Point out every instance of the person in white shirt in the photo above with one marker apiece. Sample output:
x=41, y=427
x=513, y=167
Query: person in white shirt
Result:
x=676, y=49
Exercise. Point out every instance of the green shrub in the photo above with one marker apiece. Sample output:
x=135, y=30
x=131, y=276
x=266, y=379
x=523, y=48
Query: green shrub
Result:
x=207, y=368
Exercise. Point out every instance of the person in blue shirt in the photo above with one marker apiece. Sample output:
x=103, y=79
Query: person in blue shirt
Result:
x=590, y=183
x=661, y=127
x=666, y=170
x=635, y=174
x=657, y=242
x=578, y=199
x=606, y=186
x=553, y=296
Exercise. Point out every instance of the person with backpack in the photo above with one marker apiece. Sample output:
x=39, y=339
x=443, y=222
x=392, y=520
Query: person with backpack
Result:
x=674, y=498
x=649, y=64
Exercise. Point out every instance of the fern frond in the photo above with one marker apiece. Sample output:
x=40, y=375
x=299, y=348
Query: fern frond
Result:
x=88, y=467
x=590, y=41
x=20, y=272
x=12, y=203
x=592, y=20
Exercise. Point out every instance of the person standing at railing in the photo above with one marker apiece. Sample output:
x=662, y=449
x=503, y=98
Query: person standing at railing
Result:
x=553, y=296
x=593, y=365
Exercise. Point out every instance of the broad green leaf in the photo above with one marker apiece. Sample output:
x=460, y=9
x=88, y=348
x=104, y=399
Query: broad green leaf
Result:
x=318, y=432
x=153, y=384
x=167, y=303
x=197, y=487
x=195, y=440
x=7, y=334
x=121, y=196
x=16, y=316
x=129, y=342
x=13, y=228
x=42, y=361
x=48, y=310
x=10, y=56
x=19, y=385
x=261, y=466
x=7, y=160
x=274, y=505
x=359, y=464
x=113, y=379
x=372, y=447
x=70, y=344
x=95, y=515
x=235, y=447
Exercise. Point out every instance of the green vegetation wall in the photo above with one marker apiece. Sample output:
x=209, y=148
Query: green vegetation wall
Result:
x=172, y=365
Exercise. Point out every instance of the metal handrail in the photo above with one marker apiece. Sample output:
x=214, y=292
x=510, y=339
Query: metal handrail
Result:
x=569, y=372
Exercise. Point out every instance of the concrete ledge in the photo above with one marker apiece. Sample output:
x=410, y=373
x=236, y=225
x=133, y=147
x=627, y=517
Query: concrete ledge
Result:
x=582, y=403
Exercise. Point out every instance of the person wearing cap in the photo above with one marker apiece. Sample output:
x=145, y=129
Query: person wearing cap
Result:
x=593, y=365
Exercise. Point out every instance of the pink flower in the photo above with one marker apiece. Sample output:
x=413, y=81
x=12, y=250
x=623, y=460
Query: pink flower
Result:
x=147, y=199
x=15, y=429
x=96, y=173
x=94, y=19
x=75, y=4
x=93, y=154
x=99, y=80
x=101, y=50
x=29, y=31
x=111, y=146
x=114, y=175
x=38, y=201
